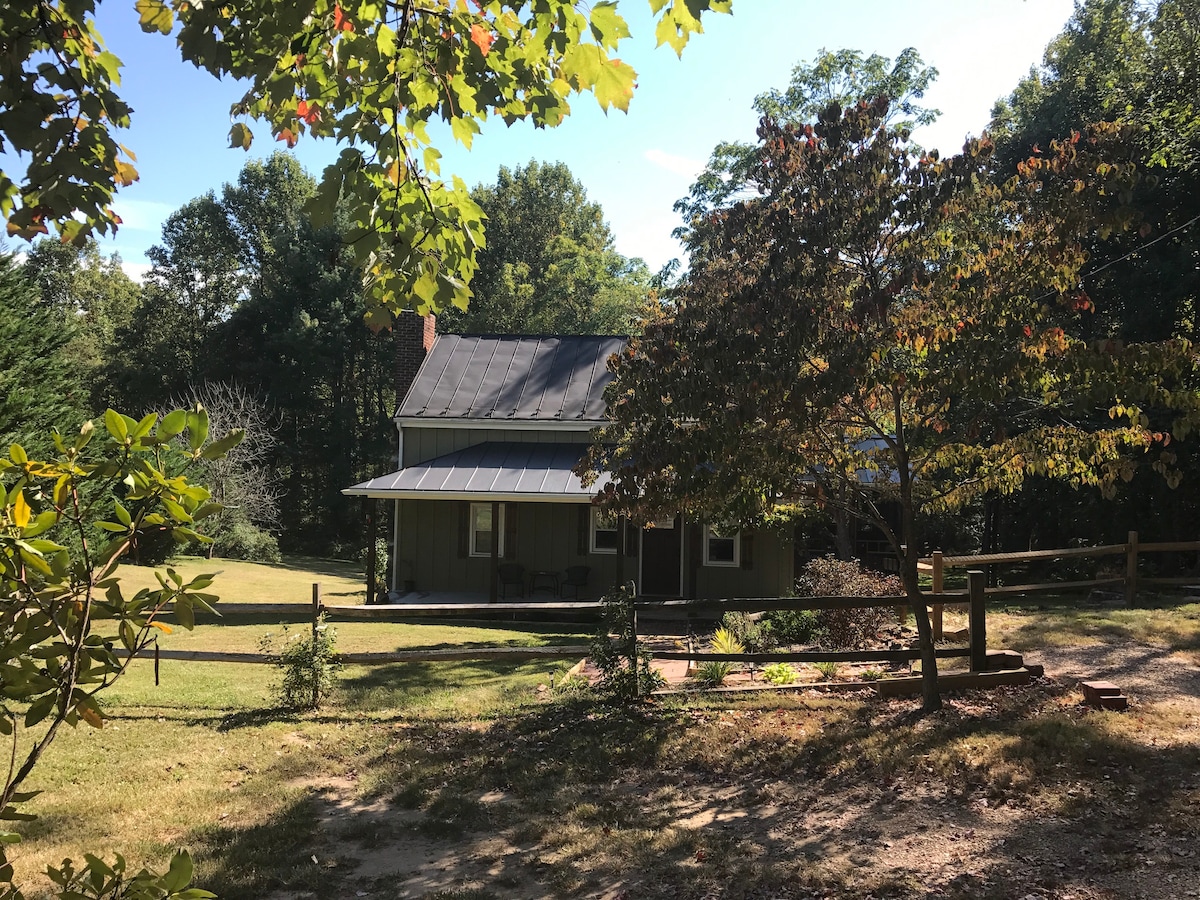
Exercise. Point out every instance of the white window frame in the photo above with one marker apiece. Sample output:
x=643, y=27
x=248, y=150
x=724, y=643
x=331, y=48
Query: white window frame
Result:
x=594, y=523
x=497, y=531
x=714, y=532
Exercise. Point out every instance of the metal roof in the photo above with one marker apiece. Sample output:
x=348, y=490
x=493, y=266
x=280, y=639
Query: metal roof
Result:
x=513, y=378
x=490, y=471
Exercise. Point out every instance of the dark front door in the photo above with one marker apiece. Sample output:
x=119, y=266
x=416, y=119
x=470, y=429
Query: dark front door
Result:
x=661, y=554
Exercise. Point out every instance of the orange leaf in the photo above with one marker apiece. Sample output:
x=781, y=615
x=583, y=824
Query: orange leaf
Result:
x=287, y=135
x=90, y=716
x=166, y=629
x=482, y=38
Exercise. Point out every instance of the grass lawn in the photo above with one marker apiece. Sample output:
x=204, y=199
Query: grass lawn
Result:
x=464, y=781
x=243, y=582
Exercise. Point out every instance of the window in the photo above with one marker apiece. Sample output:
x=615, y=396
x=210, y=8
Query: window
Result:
x=722, y=546
x=605, y=533
x=482, y=532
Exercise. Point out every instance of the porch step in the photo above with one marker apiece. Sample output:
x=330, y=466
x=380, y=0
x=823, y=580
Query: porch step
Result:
x=966, y=681
x=1103, y=695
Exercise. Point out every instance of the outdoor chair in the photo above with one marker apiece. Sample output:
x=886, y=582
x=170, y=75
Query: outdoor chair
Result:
x=511, y=575
x=576, y=581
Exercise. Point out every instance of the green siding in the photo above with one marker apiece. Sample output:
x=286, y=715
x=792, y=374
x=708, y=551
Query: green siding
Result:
x=423, y=444
x=547, y=539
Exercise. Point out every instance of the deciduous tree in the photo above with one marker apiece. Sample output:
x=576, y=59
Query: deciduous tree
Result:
x=373, y=75
x=887, y=326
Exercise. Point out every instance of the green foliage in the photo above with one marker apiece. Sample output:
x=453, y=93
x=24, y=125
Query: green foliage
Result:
x=40, y=386
x=625, y=671
x=65, y=524
x=382, y=554
x=871, y=674
x=828, y=670
x=794, y=626
x=755, y=634
x=779, y=673
x=549, y=266
x=98, y=880
x=374, y=76
x=714, y=672
x=309, y=664
x=840, y=78
x=241, y=540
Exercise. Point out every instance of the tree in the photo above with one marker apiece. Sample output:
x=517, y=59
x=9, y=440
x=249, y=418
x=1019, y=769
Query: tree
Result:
x=372, y=75
x=65, y=524
x=550, y=266
x=91, y=298
x=887, y=326
x=243, y=481
x=838, y=78
x=39, y=384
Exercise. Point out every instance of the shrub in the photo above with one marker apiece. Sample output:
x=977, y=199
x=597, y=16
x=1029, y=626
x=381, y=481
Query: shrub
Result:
x=754, y=634
x=779, y=673
x=871, y=674
x=309, y=663
x=847, y=628
x=242, y=540
x=794, y=626
x=613, y=645
x=828, y=670
x=381, y=563
x=714, y=672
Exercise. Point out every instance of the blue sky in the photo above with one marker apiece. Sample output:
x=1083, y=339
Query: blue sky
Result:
x=635, y=165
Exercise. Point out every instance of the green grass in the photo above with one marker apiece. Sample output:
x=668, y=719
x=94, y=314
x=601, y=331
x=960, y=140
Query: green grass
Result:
x=244, y=582
x=457, y=756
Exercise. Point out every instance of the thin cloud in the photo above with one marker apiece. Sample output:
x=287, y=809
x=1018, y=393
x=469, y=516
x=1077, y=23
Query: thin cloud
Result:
x=671, y=162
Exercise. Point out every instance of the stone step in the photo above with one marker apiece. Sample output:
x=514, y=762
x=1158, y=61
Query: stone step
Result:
x=1103, y=694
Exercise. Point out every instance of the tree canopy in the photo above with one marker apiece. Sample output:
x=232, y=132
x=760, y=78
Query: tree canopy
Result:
x=550, y=266
x=882, y=326
x=370, y=75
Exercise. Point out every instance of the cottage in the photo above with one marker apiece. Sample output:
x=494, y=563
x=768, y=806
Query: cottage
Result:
x=485, y=498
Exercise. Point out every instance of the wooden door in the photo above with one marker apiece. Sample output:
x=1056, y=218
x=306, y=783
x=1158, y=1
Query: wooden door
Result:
x=661, y=559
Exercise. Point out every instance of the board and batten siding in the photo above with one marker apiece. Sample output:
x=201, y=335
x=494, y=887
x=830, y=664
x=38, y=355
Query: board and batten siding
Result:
x=769, y=573
x=424, y=444
x=548, y=538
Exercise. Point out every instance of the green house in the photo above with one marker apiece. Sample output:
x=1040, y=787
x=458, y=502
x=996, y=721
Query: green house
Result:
x=485, y=500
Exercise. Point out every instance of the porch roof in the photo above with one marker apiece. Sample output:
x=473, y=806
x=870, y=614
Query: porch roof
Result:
x=490, y=471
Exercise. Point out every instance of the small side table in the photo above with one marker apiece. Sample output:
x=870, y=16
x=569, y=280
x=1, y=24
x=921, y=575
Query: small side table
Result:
x=543, y=581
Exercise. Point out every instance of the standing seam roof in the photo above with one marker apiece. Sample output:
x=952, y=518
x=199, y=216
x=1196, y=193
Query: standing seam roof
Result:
x=512, y=377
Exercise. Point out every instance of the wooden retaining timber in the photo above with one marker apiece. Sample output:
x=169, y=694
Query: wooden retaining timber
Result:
x=812, y=656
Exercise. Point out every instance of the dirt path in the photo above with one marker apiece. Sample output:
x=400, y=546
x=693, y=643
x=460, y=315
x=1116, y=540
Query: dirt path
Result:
x=1113, y=811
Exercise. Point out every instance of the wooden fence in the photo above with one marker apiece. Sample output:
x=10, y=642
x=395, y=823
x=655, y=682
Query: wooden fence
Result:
x=1132, y=550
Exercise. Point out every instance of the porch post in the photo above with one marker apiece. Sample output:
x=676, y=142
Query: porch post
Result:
x=395, y=585
x=372, y=563
x=495, y=560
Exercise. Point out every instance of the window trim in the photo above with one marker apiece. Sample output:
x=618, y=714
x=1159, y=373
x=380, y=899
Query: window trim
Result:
x=472, y=532
x=711, y=532
x=594, y=528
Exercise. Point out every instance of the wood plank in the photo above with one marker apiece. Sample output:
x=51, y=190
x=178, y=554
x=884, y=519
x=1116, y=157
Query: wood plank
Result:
x=758, y=604
x=1169, y=546
x=1031, y=555
x=1053, y=586
x=967, y=681
x=846, y=656
x=454, y=654
x=388, y=611
x=1187, y=581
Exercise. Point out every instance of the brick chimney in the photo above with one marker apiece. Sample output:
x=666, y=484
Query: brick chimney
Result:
x=412, y=338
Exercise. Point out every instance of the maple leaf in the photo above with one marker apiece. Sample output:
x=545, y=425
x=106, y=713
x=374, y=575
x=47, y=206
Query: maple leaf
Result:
x=482, y=38
x=340, y=22
x=287, y=135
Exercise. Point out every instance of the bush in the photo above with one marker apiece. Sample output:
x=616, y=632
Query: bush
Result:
x=242, y=540
x=309, y=663
x=714, y=672
x=381, y=564
x=828, y=670
x=754, y=634
x=844, y=629
x=779, y=673
x=611, y=648
x=794, y=626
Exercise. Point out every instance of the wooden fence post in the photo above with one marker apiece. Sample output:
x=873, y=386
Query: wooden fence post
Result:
x=633, y=648
x=1131, y=565
x=938, y=569
x=316, y=616
x=976, y=582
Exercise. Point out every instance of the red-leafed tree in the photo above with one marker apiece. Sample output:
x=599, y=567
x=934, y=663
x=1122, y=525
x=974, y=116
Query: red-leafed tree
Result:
x=881, y=325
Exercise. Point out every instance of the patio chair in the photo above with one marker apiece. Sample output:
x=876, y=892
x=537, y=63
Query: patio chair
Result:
x=576, y=581
x=511, y=575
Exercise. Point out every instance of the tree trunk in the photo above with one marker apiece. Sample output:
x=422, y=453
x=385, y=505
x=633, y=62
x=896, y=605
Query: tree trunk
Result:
x=930, y=695
x=843, y=540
